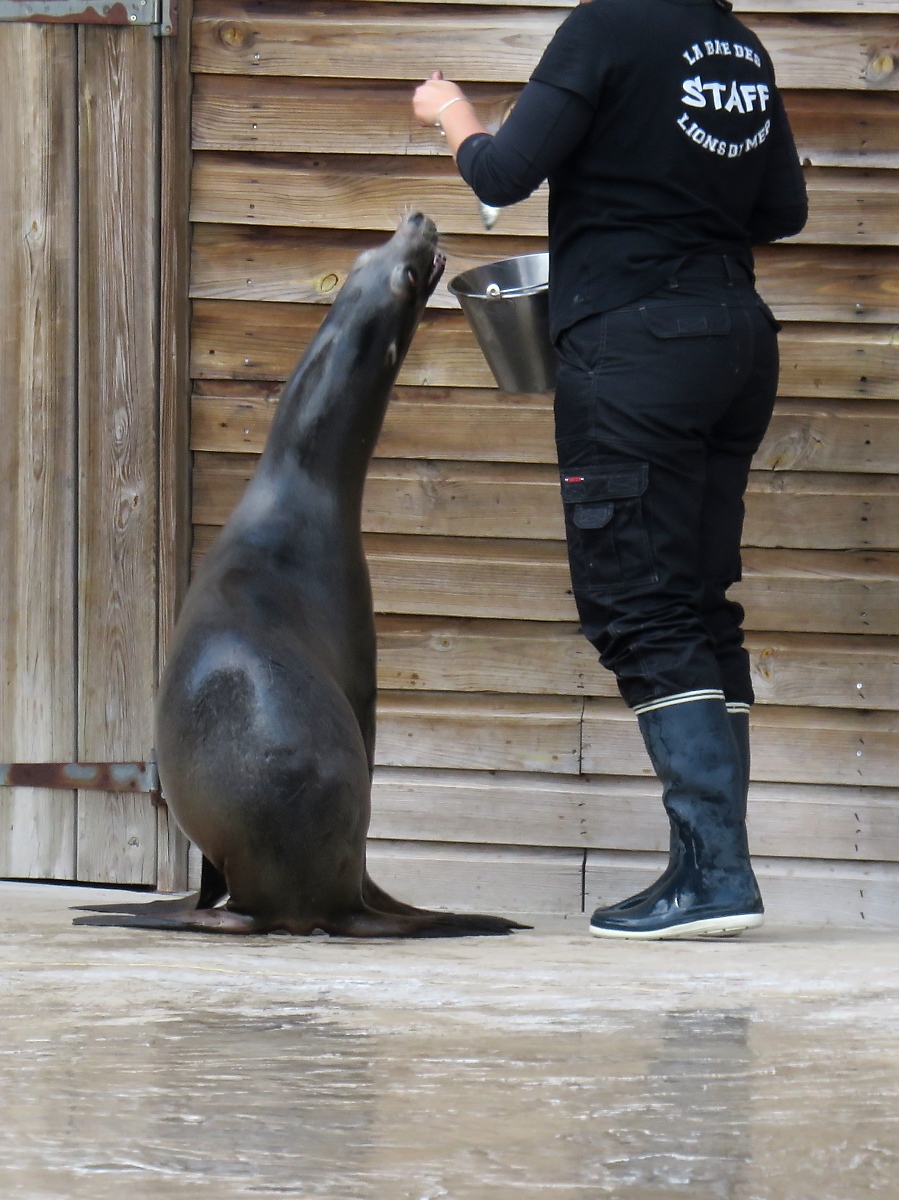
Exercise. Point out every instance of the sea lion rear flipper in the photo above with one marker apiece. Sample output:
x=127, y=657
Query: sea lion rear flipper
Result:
x=208, y=920
x=474, y=923
x=182, y=904
x=376, y=898
x=417, y=924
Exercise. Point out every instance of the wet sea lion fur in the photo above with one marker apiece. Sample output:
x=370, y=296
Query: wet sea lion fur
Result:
x=266, y=712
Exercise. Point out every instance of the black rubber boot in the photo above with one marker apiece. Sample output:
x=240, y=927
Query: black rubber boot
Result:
x=739, y=723
x=710, y=890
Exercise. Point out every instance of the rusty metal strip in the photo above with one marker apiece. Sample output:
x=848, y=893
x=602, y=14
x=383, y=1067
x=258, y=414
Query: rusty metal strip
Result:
x=160, y=13
x=95, y=777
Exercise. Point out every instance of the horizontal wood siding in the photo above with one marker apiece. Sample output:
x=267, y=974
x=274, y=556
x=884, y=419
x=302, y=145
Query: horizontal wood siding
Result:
x=507, y=762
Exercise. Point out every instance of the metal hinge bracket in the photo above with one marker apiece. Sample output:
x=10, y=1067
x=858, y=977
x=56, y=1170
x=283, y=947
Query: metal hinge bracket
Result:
x=161, y=14
x=93, y=777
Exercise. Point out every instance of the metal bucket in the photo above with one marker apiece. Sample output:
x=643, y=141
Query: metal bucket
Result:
x=507, y=306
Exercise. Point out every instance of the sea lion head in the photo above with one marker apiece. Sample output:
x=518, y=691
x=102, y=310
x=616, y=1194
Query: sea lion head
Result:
x=387, y=289
x=410, y=264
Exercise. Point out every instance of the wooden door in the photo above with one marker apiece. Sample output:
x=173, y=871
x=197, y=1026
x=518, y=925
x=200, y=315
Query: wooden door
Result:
x=86, y=324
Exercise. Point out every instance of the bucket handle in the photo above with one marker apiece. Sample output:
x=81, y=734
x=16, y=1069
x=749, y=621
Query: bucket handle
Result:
x=493, y=291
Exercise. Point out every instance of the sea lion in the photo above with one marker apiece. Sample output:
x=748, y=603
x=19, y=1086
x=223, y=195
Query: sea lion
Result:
x=266, y=711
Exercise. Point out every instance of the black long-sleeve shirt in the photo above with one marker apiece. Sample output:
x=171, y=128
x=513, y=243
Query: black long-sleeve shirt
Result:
x=662, y=134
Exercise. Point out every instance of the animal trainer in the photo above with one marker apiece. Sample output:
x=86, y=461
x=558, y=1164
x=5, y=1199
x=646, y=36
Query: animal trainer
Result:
x=661, y=131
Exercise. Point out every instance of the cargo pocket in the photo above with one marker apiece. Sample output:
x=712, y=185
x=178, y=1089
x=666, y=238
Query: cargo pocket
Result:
x=605, y=522
x=687, y=320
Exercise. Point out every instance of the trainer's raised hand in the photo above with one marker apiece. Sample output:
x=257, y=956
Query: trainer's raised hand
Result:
x=441, y=102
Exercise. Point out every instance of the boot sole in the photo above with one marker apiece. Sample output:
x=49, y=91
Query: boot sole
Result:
x=708, y=927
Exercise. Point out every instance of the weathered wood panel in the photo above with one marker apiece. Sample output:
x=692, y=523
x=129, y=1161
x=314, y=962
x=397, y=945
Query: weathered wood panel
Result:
x=331, y=191
x=480, y=878
x=243, y=340
x=476, y=424
x=844, y=129
x=322, y=116
x=174, y=385
x=801, y=283
x=435, y=654
x=486, y=425
x=237, y=262
x=789, y=745
x=118, y=373
x=174, y=332
x=498, y=733
x=808, y=510
x=848, y=436
x=792, y=591
x=523, y=880
x=856, y=207
x=468, y=655
x=330, y=116
x=819, y=591
x=802, y=510
x=832, y=672
x=549, y=734
x=405, y=41
x=622, y=813
x=37, y=449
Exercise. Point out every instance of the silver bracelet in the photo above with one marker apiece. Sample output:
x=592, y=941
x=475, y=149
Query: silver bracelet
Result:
x=441, y=109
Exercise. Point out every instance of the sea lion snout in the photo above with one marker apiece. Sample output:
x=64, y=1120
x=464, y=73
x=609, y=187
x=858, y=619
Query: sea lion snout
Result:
x=409, y=265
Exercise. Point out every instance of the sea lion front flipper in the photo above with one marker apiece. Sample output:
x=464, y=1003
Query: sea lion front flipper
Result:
x=213, y=889
x=213, y=885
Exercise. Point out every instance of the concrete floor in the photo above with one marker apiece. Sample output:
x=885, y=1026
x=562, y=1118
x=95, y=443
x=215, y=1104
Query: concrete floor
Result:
x=150, y=1066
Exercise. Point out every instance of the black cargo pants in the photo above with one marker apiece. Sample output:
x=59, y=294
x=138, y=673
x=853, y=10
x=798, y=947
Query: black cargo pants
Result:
x=660, y=406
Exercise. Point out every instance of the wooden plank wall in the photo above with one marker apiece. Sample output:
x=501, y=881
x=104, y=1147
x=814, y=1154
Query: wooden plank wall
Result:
x=510, y=775
x=94, y=211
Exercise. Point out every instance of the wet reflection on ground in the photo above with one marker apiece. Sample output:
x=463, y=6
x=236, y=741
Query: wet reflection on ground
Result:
x=693, y=1132
x=229, y=1105
x=153, y=1068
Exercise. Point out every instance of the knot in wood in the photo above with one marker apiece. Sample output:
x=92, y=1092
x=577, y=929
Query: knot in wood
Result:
x=880, y=67
x=235, y=35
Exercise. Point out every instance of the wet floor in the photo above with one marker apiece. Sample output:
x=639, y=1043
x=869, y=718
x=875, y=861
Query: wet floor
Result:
x=146, y=1066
